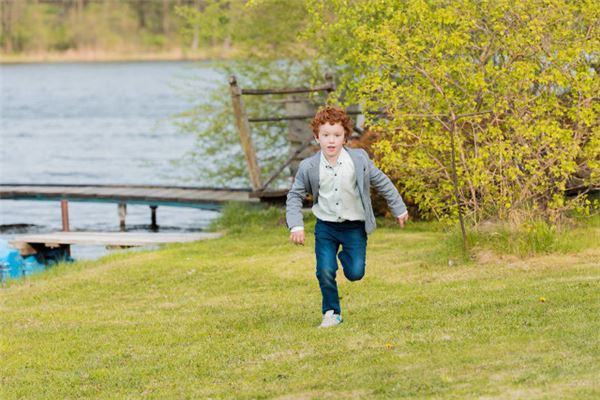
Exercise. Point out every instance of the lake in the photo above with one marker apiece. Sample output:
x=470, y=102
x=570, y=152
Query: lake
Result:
x=97, y=123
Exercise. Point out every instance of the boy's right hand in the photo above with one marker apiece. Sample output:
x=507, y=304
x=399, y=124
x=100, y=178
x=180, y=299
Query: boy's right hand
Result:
x=297, y=237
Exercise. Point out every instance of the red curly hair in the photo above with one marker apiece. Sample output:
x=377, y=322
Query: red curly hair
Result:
x=332, y=115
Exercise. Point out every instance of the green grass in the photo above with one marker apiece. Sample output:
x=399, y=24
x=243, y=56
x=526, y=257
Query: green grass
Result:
x=236, y=318
x=534, y=238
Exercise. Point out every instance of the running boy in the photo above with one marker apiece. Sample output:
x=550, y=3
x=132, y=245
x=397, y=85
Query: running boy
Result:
x=339, y=179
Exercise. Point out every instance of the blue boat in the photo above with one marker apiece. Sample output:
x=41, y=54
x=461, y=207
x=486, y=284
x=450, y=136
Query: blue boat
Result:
x=13, y=265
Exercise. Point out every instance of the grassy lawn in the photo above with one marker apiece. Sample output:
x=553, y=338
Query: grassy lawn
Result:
x=236, y=318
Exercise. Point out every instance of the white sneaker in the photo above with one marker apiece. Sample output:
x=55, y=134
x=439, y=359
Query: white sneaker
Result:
x=330, y=319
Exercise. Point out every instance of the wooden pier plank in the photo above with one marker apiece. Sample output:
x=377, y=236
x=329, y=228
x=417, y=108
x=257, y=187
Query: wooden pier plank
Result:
x=172, y=195
x=55, y=239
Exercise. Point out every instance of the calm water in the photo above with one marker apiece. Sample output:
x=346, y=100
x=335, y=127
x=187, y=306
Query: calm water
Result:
x=97, y=123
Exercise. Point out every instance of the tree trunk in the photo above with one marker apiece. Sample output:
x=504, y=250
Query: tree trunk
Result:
x=455, y=183
x=79, y=9
x=165, y=17
x=195, y=39
x=299, y=131
x=141, y=13
x=6, y=9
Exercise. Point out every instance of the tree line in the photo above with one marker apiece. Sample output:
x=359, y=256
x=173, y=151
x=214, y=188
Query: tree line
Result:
x=39, y=26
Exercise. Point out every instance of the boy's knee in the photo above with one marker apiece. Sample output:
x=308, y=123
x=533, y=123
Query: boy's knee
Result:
x=355, y=274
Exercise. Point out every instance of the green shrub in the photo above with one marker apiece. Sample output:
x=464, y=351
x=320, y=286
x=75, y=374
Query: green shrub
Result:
x=508, y=87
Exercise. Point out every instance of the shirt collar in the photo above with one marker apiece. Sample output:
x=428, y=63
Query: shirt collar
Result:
x=344, y=157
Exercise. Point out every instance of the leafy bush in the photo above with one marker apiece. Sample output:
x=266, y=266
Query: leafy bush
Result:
x=509, y=89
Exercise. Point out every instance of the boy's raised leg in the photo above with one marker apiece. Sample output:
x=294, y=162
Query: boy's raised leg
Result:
x=354, y=252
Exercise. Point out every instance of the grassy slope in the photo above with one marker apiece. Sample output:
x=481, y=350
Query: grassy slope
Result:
x=236, y=317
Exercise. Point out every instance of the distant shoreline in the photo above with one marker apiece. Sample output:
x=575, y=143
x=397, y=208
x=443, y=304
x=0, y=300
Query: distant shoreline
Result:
x=105, y=56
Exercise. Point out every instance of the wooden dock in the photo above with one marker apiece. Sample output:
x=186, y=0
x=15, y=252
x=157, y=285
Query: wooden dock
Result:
x=179, y=196
x=151, y=195
x=40, y=243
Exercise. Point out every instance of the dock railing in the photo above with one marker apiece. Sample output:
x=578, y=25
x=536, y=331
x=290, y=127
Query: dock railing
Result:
x=242, y=120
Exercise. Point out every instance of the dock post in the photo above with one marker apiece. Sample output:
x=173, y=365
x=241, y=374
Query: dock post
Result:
x=241, y=120
x=330, y=82
x=64, y=210
x=122, y=214
x=153, y=225
x=65, y=251
x=299, y=132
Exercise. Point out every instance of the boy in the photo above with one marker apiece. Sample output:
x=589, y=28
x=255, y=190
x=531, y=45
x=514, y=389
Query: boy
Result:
x=339, y=180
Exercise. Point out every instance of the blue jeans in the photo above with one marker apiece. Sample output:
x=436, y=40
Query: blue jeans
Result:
x=329, y=236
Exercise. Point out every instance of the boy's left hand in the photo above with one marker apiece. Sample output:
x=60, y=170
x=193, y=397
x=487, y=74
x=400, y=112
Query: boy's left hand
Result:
x=402, y=219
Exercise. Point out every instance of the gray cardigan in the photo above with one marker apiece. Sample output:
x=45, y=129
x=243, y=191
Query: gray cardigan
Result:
x=367, y=174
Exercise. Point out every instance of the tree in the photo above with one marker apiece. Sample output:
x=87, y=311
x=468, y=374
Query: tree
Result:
x=206, y=24
x=508, y=89
x=270, y=53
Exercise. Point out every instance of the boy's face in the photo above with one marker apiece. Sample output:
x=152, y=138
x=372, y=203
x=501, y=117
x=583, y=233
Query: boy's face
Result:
x=331, y=139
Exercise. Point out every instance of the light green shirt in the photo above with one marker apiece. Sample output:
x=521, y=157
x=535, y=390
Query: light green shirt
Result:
x=339, y=199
